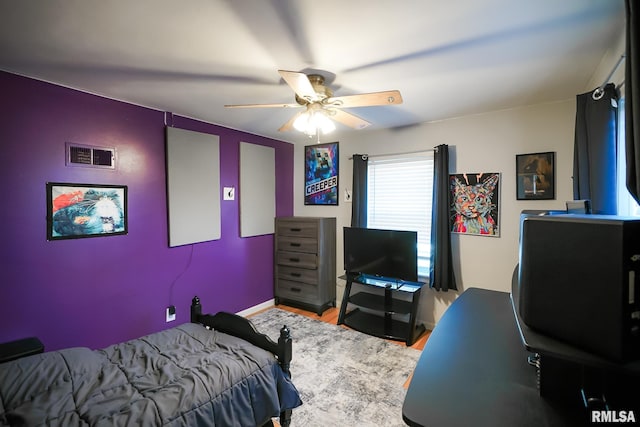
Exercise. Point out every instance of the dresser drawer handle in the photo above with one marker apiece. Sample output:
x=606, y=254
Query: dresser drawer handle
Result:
x=294, y=259
x=296, y=289
x=297, y=230
x=296, y=275
x=295, y=245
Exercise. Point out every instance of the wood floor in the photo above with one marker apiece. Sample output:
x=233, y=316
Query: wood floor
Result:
x=331, y=316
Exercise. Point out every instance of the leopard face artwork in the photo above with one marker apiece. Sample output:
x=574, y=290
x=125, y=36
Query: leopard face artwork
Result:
x=474, y=203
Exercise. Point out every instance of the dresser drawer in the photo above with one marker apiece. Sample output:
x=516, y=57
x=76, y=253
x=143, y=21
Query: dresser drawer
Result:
x=297, y=291
x=297, y=259
x=299, y=228
x=298, y=274
x=296, y=244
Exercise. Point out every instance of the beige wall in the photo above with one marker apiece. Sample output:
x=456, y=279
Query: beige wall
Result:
x=481, y=143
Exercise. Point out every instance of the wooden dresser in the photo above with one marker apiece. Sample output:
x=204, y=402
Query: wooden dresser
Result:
x=305, y=262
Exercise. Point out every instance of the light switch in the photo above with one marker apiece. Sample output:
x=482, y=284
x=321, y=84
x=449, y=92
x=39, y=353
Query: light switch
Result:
x=229, y=193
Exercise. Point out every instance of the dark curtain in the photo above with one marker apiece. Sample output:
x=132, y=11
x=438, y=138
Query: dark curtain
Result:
x=441, y=275
x=594, y=154
x=632, y=100
x=359, y=194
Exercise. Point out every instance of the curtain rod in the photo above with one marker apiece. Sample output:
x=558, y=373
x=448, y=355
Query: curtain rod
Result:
x=599, y=92
x=396, y=154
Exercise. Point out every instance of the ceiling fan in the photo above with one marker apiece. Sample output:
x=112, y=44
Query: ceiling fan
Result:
x=321, y=106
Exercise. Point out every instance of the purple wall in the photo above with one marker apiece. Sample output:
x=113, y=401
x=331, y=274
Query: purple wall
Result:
x=98, y=291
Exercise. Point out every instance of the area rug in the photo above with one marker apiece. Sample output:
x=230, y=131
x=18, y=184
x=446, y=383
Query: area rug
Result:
x=344, y=377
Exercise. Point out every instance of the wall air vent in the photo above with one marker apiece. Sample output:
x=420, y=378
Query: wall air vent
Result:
x=90, y=156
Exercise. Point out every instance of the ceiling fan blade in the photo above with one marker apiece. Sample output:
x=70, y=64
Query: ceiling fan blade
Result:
x=287, y=126
x=263, y=106
x=348, y=119
x=300, y=84
x=389, y=97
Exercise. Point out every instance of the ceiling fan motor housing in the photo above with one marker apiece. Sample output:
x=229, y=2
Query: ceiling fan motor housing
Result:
x=323, y=92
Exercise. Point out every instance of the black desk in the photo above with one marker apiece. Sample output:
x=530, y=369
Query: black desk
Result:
x=474, y=371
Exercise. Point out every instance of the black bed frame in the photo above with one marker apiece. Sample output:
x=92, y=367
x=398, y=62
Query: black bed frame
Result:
x=241, y=327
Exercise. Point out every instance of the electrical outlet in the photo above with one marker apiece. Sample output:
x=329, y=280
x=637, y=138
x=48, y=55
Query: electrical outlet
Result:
x=171, y=313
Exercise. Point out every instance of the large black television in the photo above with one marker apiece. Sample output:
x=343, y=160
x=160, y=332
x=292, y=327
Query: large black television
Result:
x=389, y=254
x=579, y=281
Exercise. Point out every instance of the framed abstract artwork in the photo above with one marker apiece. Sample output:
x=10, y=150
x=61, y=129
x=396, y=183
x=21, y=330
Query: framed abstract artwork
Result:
x=475, y=203
x=85, y=210
x=321, y=174
x=535, y=176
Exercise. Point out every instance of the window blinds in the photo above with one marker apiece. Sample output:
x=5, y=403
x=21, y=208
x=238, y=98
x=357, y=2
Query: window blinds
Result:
x=400, y=191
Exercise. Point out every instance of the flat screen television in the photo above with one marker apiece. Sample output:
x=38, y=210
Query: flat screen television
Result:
x=579, y=281
x=390, y=254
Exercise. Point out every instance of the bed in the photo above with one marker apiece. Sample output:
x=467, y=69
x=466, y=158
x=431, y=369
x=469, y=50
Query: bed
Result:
x=215, y=371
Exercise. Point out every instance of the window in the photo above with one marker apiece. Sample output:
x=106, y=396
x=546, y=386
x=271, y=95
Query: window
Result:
x=627, y=206
x=400, y=191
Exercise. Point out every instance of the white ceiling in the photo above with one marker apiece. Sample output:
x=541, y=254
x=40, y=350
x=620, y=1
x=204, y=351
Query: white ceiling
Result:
x=448, y=58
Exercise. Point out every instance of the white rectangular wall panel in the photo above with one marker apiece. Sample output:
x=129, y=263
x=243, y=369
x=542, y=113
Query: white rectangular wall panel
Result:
x=257, y=189
x=193, y=186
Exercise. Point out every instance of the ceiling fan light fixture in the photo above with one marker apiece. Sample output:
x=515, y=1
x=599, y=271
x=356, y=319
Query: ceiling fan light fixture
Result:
x=323, y=123
x=313, y=121
x=301, y=122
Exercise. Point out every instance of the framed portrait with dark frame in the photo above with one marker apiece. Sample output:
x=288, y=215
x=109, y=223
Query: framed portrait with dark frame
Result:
x=85, y=210
x=321, y=174
x=535, y=175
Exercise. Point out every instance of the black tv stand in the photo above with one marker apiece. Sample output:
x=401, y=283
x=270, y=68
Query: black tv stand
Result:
x=384, y=307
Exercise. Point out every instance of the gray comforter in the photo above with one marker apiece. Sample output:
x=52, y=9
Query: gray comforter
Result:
x=185, y=376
